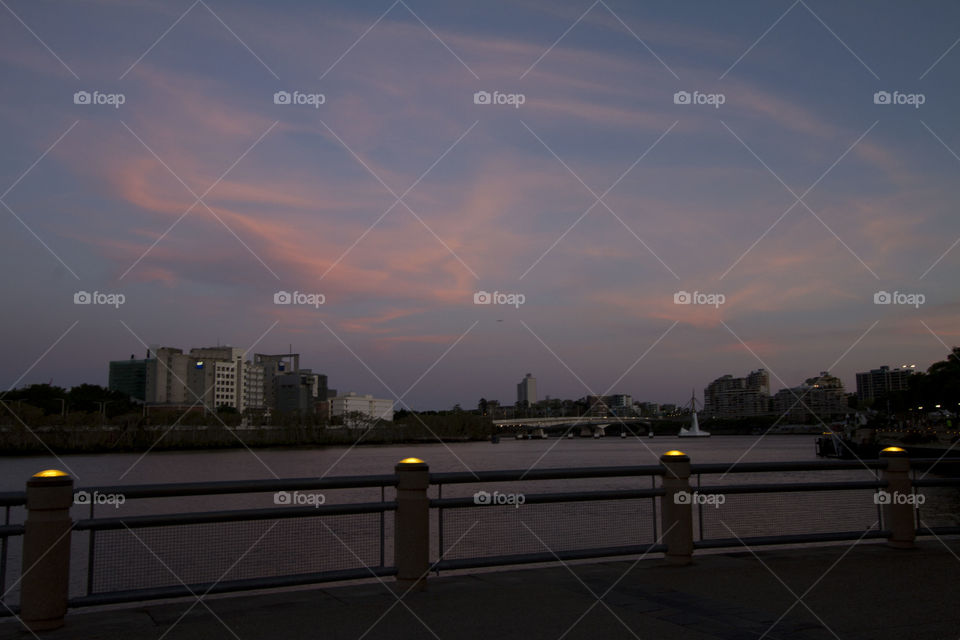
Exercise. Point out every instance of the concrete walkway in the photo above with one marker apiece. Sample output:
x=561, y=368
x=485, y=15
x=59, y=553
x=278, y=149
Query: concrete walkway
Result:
x=864, y=592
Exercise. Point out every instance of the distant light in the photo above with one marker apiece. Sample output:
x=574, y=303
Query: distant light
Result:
x=411, y=461
x=199, y=364
x=50, y=473
x=674, y=452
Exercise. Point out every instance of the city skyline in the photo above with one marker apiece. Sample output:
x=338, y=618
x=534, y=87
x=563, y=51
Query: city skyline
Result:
x=428, y=203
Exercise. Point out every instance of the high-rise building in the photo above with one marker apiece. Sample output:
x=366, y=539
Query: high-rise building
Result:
x=129, y=377
x=273, y=366
x=293, y=393
x=729, y=397
x=527, y=391
x=818, y=399
x=876, y=385
x=166, y=379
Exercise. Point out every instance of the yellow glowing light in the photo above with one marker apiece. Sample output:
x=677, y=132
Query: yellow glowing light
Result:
x=411, y=461
x=674, y=452
x=50, y=473
x=894, y=450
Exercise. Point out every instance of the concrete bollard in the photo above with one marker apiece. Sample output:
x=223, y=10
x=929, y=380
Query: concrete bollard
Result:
x=676, y=511
x=412, y=524
x=898, y=514
x=45, y=576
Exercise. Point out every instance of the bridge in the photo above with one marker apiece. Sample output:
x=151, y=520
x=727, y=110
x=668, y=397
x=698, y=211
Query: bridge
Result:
x=590, y=426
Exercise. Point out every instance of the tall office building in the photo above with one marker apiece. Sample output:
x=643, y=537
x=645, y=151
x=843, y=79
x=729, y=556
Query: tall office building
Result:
x=729, y=397
x=876, y=385
x=818, y=399
x=166, y=378
x=273, y=366
x=527, y=391
x=129, y=377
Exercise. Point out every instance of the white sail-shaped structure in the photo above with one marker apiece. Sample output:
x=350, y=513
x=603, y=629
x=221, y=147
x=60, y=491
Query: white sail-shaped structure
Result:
x=694, y=430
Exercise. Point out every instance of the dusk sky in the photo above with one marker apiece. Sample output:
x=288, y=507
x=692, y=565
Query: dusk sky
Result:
x=399, y=197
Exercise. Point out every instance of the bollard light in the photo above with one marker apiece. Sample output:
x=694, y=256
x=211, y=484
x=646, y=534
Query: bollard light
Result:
x=50, y=473
x=411, y=461
x=674, y=452
x=893, y=450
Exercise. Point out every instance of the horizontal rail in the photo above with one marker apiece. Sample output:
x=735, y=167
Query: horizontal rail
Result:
x=936, y=482
x=529, y=558
x=806, y=465
x=460, y=477
x=543, y=498
x=13, y=498
x=792, y=487
x=935, y=531
x=178, y=591
x=799, y=538
x=9, y=530
x=205, y=517
x=244, y=486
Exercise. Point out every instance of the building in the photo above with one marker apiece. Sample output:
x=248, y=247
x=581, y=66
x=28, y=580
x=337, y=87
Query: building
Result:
x=729, y=397
x=620, y=404
x=874, y=387
x=293, y=393
x=216, y=376
x=273, y=366
x=129, y=377
x=352, y=406
x=527, y=391
x=166, y=379
x=818, y=399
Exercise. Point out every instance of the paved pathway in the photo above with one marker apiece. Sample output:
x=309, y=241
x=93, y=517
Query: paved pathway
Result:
x=864, y=592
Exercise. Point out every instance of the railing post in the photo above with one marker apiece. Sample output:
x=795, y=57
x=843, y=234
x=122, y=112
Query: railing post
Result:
x=897, y=507
x=45, y=576
x=412, y=526
x=676, y=509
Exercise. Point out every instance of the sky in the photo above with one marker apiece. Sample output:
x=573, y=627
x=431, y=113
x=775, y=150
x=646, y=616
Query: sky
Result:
x=789, y=169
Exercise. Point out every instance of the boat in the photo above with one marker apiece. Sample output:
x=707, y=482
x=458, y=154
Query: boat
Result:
x=694, y=430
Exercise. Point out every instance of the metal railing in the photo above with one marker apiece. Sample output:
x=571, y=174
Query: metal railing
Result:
x=174, y=553
x=8, y=500
x=617, y=511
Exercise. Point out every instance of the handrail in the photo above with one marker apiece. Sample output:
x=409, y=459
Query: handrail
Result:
x=559, y=473
x=13, y=498
x=244, y=486
x=204, y=517
x=544, y=498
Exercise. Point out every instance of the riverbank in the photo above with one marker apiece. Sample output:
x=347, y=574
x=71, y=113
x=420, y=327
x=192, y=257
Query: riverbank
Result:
x=41, y=440
x=867, y=591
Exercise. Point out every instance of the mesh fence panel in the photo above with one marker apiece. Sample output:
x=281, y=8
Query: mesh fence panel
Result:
x=746, y=515
x=199, y=553
x=495, y=530
x=940, y=507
